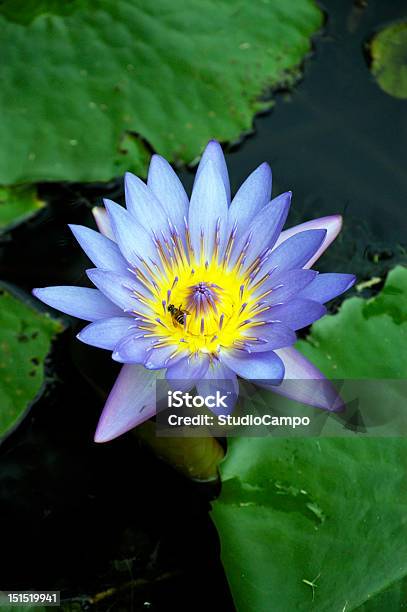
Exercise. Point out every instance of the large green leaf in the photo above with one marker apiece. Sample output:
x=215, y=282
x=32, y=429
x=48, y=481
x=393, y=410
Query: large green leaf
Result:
x=321, y=524
x=17, y=204
x=388, y=49
x=330, y=511
x=25, y=340
x=94, y=86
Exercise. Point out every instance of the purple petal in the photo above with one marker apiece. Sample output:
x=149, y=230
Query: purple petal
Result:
x=119, y=289
x=102, y=221
x=184, y=374
x=208, y=211
x=133, y=348
x=167, y=187
x=263, y=231
x=304, y=383
x=269, y=336
x=134, y=242
x=294, y=252
x=254, y=193
x=106, y=333
x=332, y=225
x=81, y=302
x=324, y=287
x=297, y=313
x=220, y=378
x=286, y=285
x=131, y=402
x=144, y=206
x=255, y=366
x=163, y=356
x=213, y=152
x=102, y=251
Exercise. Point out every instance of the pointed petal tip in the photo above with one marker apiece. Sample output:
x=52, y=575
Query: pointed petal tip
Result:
x=265, y=167
x=99, y=439
x=107, y=433
x=91, y=272
x=129, y=175
x=157, y=159
x=109, y=204
x=305, y=383
x=284, y=198
x=213, y=143
x=102, y=221
x=352, y=281
x=129, y=178
x=41, y=294
x=333, y=224
x=130, y=403
x=76, y=229
x=102, y=436
x=98, y=212
x=263, y=173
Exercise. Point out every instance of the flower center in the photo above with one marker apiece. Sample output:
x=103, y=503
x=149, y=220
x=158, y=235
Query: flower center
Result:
x=200, y=305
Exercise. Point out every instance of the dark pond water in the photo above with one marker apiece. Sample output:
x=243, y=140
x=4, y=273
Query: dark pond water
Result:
x=81, y=517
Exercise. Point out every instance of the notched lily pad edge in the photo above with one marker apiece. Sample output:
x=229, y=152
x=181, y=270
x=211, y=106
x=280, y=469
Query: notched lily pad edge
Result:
x=375, y=65
x=61, y=324
x=28, y=197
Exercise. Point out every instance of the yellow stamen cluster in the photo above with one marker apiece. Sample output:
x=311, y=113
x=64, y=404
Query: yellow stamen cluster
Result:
x=199, y=305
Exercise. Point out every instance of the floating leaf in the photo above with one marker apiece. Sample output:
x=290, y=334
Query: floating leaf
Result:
x=366, y=339
x=327, y=512
x=388, y=50
x=92, y=84
x=320, y=523
x=25, y=340
x=17, y=204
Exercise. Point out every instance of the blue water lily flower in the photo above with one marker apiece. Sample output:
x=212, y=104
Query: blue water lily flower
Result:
x=200, y=290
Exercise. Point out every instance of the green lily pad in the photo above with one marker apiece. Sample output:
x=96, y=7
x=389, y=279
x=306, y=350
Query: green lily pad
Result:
x=17, y=204
x=367, y=338
x=388, y=50
x=25, y=341
x=321, y=523
x=96, y=86
x=327, y=512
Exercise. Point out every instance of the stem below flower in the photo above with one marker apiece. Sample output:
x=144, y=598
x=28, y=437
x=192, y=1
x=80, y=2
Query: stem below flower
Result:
x=196, y=458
